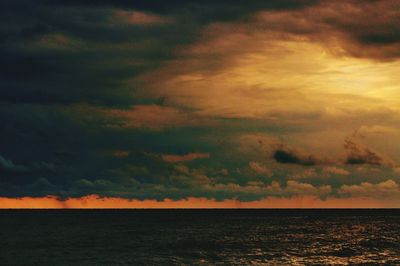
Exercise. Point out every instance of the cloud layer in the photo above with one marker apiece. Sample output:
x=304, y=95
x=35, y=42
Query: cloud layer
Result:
x=199, y=102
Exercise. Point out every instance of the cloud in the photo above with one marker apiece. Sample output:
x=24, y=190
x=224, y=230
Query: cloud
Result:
x=154, y=117
x=43, y=166
x=258, y=190
x=357, y=26
x=9, y=166
x=290, y=155
x=183, y=169
x=357, y=153
x=173, y=158
x=259, y=168
x=307, y=173
x=139, y=18
x=256, y=84
x=296, y=188
x=374, y=130
x=120, y=153
x=386, y=189
x=57, y=41
x=335, y=170
x=294, y=63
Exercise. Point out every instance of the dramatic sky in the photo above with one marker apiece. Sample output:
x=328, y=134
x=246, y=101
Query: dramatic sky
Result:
x=200, y=103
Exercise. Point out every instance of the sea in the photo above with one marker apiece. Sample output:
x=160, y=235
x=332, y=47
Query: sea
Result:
x=200, y=237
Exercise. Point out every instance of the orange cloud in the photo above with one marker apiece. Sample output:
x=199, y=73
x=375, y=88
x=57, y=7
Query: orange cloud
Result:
x=172, y=158
x=96, y=202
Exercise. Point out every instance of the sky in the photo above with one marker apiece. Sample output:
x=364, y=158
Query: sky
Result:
x=232, y=104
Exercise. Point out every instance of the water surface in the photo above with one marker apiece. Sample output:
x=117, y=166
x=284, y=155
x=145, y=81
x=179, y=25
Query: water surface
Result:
x=199, y=237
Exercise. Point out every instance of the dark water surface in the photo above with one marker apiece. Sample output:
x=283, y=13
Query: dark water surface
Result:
x=199, y=237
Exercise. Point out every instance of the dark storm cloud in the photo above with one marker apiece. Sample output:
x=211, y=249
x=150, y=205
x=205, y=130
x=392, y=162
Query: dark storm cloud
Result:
x=203, y=9
x=64, y=145
x=80, y=51
x=289, y=155
x=78, y=58
x=355, y=153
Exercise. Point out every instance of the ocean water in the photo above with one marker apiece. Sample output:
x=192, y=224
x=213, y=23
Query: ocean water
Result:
x=199, y=237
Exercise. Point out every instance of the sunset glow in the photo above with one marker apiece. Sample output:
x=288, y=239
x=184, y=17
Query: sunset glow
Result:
x=96, y=202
